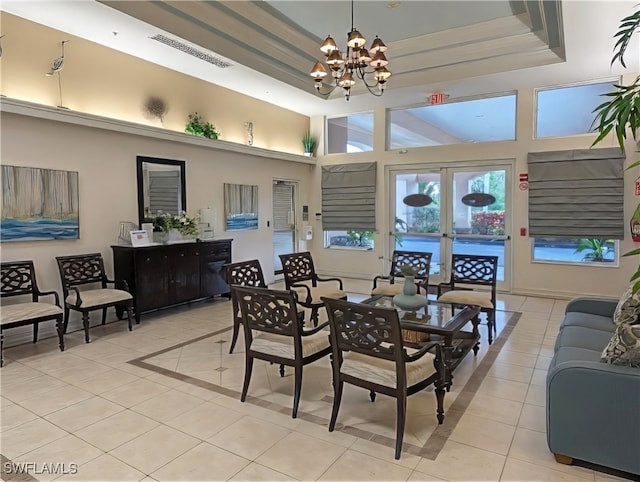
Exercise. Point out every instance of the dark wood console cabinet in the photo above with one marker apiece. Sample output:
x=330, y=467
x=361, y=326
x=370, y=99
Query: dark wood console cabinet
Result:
x=167, y=275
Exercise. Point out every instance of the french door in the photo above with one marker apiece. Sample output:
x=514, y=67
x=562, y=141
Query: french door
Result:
x=462, y=209
x=284, y=221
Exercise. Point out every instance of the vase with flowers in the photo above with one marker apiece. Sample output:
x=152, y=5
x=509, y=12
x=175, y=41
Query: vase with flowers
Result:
x=175, y=228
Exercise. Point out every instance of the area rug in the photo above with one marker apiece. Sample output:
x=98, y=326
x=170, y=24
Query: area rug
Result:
x=205, y=362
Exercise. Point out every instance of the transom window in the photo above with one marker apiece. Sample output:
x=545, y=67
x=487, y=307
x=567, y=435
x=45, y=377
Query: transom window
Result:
x=352, y=133
x=464, y=121
x=568, y=111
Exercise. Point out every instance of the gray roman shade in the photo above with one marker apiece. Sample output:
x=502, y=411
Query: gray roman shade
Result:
x=576, y=194
x=349, y=197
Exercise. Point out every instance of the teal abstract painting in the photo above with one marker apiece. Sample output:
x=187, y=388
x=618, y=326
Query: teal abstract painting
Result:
x=39, y=204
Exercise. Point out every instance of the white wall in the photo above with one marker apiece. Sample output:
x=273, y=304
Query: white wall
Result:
x=526, y=277
x=106, y=163
x=109, y=83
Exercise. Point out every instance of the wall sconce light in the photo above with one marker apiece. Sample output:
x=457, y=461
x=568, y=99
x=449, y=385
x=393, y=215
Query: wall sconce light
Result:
x=249, y=126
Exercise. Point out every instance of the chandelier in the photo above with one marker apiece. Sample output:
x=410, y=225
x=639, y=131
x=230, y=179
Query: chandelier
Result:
x=370, y=66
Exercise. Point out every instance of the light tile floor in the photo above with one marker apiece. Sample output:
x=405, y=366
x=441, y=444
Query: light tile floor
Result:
x=117, y=421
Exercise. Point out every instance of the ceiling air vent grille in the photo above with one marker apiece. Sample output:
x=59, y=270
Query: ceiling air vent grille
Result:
x=194, y=52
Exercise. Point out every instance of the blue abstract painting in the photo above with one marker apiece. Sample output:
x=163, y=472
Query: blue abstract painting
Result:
x=39, y=204
x=241, y=206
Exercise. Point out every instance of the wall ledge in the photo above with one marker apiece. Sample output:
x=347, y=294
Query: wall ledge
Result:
x=15, y=106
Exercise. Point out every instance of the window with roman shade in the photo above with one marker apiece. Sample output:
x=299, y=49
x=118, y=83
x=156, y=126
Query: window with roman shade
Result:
x=576, y=193
x=349, y=197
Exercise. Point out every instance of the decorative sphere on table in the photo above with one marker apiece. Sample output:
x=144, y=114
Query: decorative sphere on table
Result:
x=409, y=300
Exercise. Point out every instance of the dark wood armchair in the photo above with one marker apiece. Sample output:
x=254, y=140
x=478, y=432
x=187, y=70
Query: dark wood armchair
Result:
x=273, y=332
x=469, y=271
x=18, y=278
x=243, y=273
x=87, y=271
x=300, y=276
x=368, y=352
x=419, y=261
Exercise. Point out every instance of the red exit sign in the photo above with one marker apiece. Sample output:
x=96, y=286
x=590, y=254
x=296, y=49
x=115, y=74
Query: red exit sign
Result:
x=437, y=98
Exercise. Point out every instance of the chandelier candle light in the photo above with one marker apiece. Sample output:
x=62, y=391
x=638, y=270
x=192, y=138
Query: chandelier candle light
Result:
x=345, y=69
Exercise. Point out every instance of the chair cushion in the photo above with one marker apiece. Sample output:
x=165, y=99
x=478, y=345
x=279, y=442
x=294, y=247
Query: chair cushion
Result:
x=103, y=296
x=318, y=292
x=464, y=297
x=574, y=354
x=27, y=311
x=383, y=372
x=588, y=320
x=388, y=289
x=581, y=337
x=282, y=345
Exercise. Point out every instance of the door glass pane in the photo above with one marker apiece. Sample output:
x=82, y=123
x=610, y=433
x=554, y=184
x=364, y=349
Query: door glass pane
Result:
x=284, y=234
x=417, y=228
x=479, y=214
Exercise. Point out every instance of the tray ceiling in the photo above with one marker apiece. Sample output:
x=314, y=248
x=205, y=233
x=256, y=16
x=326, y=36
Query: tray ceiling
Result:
x=265, y=49
x=428, y=41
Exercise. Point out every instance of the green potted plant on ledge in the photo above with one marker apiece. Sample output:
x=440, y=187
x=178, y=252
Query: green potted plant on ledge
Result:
x=309, y=143
x=196, y=126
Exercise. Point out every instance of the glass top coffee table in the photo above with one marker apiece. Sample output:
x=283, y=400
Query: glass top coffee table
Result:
x=436, y=322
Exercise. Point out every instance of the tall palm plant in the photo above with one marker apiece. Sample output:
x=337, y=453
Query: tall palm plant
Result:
x=621, y=112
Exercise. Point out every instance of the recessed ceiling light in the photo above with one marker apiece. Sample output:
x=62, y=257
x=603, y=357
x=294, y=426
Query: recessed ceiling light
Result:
x=394, y=4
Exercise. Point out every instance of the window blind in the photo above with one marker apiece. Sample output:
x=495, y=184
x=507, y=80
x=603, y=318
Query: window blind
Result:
x=577, y=193
x=282, y=206
x=349, y=197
